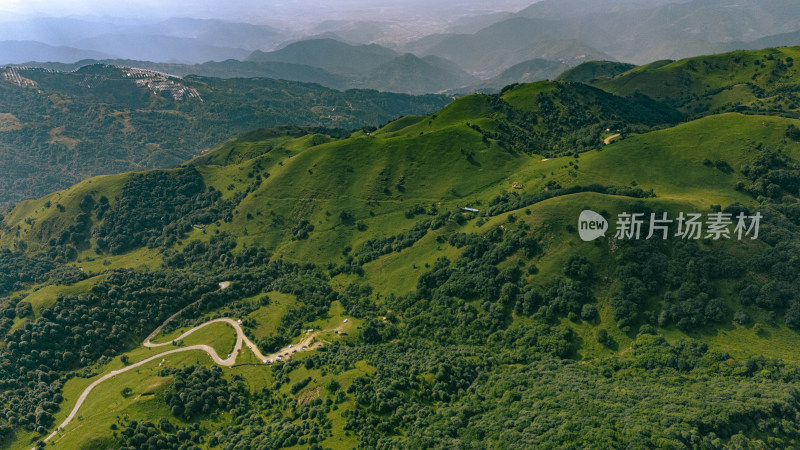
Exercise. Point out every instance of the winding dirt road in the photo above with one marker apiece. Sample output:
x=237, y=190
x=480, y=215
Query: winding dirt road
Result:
x=611, y=138
x=229, y=361
x=240, y=339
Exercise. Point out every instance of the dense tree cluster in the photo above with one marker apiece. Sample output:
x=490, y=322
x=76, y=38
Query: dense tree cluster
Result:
x=137, y=435
x=301, y=230
x=510, y=201
x=157, y=208
x=78, y=330
x=374, y=248
x=564, y=124
x=18, y=269
x=470, y=300
x=216, y=254
x=356, y=300
x=271, y=344
x=682, y=273
x=197, y=391
x=612, y=403
x=772, y=175
x=278, y=422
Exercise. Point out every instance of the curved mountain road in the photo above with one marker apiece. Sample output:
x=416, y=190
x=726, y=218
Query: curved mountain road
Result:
x=241, y=339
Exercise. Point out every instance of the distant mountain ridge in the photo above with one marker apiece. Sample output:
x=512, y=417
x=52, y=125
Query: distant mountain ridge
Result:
x=329, y=54
x=634, y=31
x=343, y=54
x=524, y=72
x=161, y=48
x=659, y=29
x=172, y=40
x=18, y=52
x=494, y=49
x=406, y=74
x=594, y=70
x=411, y=74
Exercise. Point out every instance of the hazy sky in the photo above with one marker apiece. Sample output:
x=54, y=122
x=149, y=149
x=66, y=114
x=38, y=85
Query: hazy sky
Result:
x=254, y=11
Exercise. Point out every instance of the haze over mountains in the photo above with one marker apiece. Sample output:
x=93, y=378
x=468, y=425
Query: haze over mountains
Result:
x=456, y=46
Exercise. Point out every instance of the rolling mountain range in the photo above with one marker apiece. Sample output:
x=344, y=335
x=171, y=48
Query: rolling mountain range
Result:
x=329, y=54
x=181, y=40
x=343, y=54
x=594, y=31
x=524, y=72
x=319, y=61
x=427, y=284
x=371, y=66
x=61, y=127
x=18, y=52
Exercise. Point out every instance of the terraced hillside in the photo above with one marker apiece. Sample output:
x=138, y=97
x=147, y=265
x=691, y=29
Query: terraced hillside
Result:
x=404, y=320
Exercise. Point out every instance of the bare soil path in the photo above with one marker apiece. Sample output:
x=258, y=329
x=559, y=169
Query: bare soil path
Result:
x=241, y=339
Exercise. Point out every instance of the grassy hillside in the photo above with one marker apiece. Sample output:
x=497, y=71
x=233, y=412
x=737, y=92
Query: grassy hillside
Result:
x=425, y=324
x=62, y=127
x=594, y=70
x=757, y=81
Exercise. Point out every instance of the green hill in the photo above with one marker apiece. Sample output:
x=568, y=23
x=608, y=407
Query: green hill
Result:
x=439, y=326
x=594, y=70
x=61, y=127
x=758, y=81
x=370, y=66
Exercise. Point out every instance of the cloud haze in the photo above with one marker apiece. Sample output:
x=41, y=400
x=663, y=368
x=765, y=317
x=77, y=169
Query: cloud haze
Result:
x=254, y=11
